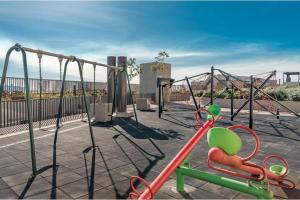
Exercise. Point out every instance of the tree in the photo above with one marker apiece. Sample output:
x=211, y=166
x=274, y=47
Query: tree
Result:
x=133, y=69
x=160, y=61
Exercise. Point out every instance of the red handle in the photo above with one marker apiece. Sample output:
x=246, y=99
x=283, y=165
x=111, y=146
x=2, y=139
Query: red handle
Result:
x=232, y=173
x=279, y=158
x=253, y=133
x=136, y=193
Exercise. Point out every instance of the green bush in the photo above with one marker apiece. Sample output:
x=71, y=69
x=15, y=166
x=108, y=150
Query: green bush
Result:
x=281, y=93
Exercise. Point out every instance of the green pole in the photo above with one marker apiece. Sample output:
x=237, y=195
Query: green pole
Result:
x=256, y=189
x=18, y=47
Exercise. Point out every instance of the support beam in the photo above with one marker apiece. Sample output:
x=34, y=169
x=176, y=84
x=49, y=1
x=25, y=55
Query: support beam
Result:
x=251, y=103
x=193, y=96
x=212, y=86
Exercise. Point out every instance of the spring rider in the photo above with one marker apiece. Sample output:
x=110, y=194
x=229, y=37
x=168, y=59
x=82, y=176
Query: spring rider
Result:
x=225, y=145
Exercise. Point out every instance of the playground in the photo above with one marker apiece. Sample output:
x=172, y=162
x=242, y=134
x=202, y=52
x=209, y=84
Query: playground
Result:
x=124, y=151
x=182, y=149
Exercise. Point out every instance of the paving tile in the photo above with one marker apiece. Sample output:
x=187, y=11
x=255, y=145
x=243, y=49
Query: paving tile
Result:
x=101, y=194
x=78, y=188
x=106, y=179
x=50, y=194
x=13, y=169
x=64, y=178
x=18, y=179
x=8, y=194
x=3, y=184
x=36, y=187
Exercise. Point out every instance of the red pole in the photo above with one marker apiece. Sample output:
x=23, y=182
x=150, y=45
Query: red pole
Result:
x=155, y=186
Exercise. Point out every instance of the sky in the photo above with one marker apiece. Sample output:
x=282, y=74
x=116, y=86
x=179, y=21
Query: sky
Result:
x=239, y=37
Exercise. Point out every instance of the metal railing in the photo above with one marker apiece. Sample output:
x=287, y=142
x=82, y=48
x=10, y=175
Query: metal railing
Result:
x=13, y=84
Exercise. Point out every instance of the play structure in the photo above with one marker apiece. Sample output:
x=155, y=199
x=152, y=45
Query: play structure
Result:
x=224, y=145
x=120, y=77
x=206, y=86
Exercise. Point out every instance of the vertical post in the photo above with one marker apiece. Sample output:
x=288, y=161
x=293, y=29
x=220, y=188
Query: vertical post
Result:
x=162, y=98
x=94, y=67
x=122, y=85
x=251, y=103
x=40, y=55
x=60, y=59
x=231, y=102
x=131, y=95
x=82, y=88
x=192, y=94
x=212, y=85
x=111, y=73
x=159, y=98
x=277, y=113
x=179, y=181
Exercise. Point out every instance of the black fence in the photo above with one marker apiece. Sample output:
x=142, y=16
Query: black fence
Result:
x=44, y=112
x=13, y=84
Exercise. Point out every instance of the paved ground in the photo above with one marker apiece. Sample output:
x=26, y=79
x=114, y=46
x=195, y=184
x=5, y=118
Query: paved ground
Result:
x=125, y=151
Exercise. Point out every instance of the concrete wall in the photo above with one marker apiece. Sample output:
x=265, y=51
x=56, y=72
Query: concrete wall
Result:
x=148, y=80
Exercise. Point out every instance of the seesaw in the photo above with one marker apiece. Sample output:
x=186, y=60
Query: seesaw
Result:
x=225, y=144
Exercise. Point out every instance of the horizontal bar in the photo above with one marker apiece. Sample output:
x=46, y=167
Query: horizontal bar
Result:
x=227, y=182
x=206, y=73
x=38, y=51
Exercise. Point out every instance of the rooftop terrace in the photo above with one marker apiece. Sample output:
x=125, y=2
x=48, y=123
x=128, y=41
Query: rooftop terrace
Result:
x=124, y=151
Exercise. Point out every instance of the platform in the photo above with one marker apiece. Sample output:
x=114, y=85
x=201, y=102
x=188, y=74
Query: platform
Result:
x=125, y=151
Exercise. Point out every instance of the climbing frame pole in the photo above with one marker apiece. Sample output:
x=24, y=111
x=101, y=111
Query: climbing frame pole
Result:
x=18, y=48
x=212, y=85
x=192, y=94
x=251, y=96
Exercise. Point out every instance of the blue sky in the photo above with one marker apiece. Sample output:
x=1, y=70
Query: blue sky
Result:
x=239, y=37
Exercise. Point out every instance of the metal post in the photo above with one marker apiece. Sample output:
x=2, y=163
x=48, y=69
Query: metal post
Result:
x=159, y=100
x=122, y=85
x=251, y=103
x=41, y=88
x=18, y=47
x=212, y=85
x=254, y=93
x=94, y=67
x=231, y=102
x=192, y=94
x=72, y=59
x=130, y=93
x=277, y=114
x=60, y=59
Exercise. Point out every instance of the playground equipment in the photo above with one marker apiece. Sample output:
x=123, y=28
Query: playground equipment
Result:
x=118, y=73
x=186, y=87
x=255, y=88
x=213, y=115
x=225, y=145
x=19, y=48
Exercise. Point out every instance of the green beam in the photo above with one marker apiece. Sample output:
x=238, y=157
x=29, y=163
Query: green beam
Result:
x=257, y=189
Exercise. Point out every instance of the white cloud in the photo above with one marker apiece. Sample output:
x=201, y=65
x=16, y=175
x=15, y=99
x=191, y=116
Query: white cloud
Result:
x=243, y=59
